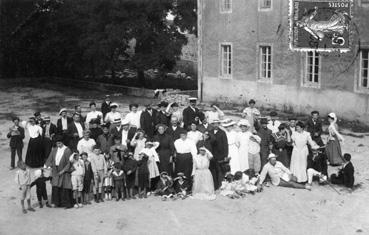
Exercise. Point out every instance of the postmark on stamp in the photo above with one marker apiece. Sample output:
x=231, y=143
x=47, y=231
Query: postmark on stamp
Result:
x=320, y=25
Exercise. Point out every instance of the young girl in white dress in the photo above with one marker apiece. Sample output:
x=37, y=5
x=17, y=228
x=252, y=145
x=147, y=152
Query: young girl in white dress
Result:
x=233, y=145
x=203, y=185
x=244, y=138
x=138, y=142
x=300, y=139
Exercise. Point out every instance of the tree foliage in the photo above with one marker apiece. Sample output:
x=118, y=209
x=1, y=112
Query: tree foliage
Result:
x=88, y=37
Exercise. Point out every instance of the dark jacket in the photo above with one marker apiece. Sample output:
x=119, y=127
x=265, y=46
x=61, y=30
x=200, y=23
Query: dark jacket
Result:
x=59, y=126
x=64, y=167
x=202, y=128
x=162, y=118
x=52, y=130
x=220, y=145
x=348, y=175
x=72, y=139
x=16, y=141
x=175, y=134
x=313, y=129
x=189, y=116
x=105, y=108
x=148, y=122
x=318, y=163
x=115, y=133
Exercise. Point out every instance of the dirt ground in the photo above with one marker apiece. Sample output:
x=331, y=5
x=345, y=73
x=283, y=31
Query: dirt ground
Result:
x=274, y=211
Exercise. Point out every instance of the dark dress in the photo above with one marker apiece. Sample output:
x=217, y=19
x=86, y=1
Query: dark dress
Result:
x=95, y=133
x=280, y=145
x=148, y=122
x=35, y=156
x=130, y=165
x=48, y=142
x=165, y=151
x=143, y=173
x=162, y=118
x=89, y=175
x=175, y=134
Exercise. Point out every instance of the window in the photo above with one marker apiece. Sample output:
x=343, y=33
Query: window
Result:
x=225, y=6
x=265, y=61
x=265, y=4
x=364, y=60
x=312, y=76
x=226, y=60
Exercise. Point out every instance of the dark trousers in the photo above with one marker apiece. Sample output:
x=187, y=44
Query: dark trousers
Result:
x=13, y=151
x=217, y=173
x=61, y=197
x=41, y=192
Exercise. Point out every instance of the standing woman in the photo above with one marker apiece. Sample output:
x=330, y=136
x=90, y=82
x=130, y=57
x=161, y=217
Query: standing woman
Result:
x=300, y=140
x=193, y=134
x=333, y=148
x=244, y=138
x=35, y=151
x=233, y=146
x=281, y=140
x=165, y=149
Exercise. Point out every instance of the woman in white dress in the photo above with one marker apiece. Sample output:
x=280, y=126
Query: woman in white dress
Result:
x=214, y=114
x=138, y=142
x=203, y=185
x=193, y=134
x=244, y=138
x=233, y=145
x=300, y=140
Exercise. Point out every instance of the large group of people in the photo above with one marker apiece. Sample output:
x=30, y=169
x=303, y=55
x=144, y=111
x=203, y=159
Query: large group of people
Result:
x=170, y=153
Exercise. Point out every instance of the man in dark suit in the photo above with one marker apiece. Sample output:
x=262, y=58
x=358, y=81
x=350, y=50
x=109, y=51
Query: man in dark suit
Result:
x=62, y=125
x=48, y=133
x=124, y=132
x=346, y=174
x=205, y=126
x=191, y=114
x=75, y=132
x=148, y=121
x=105, y=106
x=315, y=127
x=220, y=152
x=162, y=116
x=174, y=129
x=16, y=135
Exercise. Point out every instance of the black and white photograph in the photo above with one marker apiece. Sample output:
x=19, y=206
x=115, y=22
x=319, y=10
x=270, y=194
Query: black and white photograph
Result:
x=184, y=117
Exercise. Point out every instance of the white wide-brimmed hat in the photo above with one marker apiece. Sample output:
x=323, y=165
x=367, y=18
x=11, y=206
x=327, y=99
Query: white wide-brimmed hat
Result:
x=244, y=122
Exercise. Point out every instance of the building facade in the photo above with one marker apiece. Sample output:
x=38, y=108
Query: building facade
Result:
x=244, y=54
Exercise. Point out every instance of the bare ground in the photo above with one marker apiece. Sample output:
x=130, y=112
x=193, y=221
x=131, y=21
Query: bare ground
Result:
x=274, y=211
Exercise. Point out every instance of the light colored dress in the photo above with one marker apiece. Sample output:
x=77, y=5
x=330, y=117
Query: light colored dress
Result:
x=333, y=149
x=139, y=145
x=299, y=154
x=251, y=115
x=244, y=138
x=203, y=185
x=151, y=163
x=233, y=144
x=195, y=136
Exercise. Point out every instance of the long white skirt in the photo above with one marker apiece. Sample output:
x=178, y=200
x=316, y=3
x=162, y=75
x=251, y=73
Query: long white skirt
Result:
x=299, y=163
x=203, y=185
x=235, y=159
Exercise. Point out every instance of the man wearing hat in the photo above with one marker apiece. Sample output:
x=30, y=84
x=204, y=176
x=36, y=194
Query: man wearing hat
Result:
x=148, y=120
x=113, y=114
x=205, y=126
x=78, y=109
x=75, y=132
x=16, y=135
x=266, y=141
x=317, y=165
x=220, y=153
x=279, y=174
x=38, y=118
x=62, y=124
x=125, y=133
x=273, y=123
x=174, y=129
x=95, y=128
x=162, y=117
x=105, y=106
x=61, y=182
x=48, y=133
x=93, y=114
x=192, y=114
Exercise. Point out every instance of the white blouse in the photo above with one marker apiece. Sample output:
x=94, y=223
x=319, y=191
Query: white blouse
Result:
x=59, y=154
x=34, y=130
x=134, y=118
x=185, y=146
x=79, y=129
x=195, y=136
x=93, y=115
x=110, y=117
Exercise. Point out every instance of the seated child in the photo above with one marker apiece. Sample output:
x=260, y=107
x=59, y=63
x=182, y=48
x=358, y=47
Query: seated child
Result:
x=87, y=179
x=119, y=181
x=143, y=175
x=250, y=179
x=99, y=170
x=40, y=183
x=129, y=168
x=181, y=186
x=345, y=174
x=23, y=180
x=77, y=178
x=227, y=187
x=164, y=187
x=108, y=180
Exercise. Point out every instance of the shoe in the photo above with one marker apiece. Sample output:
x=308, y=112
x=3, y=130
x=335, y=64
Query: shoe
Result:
x=53, y=206
x=145, y=195
x=140, y=196
x=76, y=206
x=80, y=205
x=117, y=199
x=101, y=199
x=12, y=168
x=40, y=205
x=96, y=198
x=134, y=197
x=24, y=211
x=308, y=187
x=31, y=209
x=48, y=205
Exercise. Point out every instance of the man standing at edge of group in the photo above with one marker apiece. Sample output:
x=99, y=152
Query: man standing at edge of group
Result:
x=16, y=135
x=62, y=125
x=266, y=142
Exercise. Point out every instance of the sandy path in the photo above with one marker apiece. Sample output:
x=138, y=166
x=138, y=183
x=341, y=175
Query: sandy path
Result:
x=275, y=211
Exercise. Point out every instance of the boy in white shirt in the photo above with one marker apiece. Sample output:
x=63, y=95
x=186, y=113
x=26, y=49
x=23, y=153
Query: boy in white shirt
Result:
x=77, y=178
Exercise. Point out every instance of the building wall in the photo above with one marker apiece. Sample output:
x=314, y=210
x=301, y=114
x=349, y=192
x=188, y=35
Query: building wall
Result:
x=246, y=28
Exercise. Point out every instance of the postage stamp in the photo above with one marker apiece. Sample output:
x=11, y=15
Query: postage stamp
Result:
x=320, y=25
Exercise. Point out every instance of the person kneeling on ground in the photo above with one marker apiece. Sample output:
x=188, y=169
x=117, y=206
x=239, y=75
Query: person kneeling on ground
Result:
x=317, y=166
x=345, y=174
x=279, y=174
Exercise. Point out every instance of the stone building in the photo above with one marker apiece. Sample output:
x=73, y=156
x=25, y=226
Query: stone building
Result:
x=244, y=53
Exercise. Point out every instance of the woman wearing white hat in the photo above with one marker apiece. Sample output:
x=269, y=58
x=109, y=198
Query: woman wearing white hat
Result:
x=113, y=114
x=333, y=148
x=233, y=145
x=244, y=138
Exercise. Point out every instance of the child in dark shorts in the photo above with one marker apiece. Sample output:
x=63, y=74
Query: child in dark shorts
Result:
x=129, y=168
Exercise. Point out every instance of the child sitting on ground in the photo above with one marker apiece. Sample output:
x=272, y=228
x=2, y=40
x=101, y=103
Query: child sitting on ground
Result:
x=164, y=187
x=227, y=188
x=119, y=181
x=40, y=183
x=87, y=179
x=108, y=180
x=181, y=186
x=250, y=179
x=23, y=180
x=77, y=178
x=129, y=168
